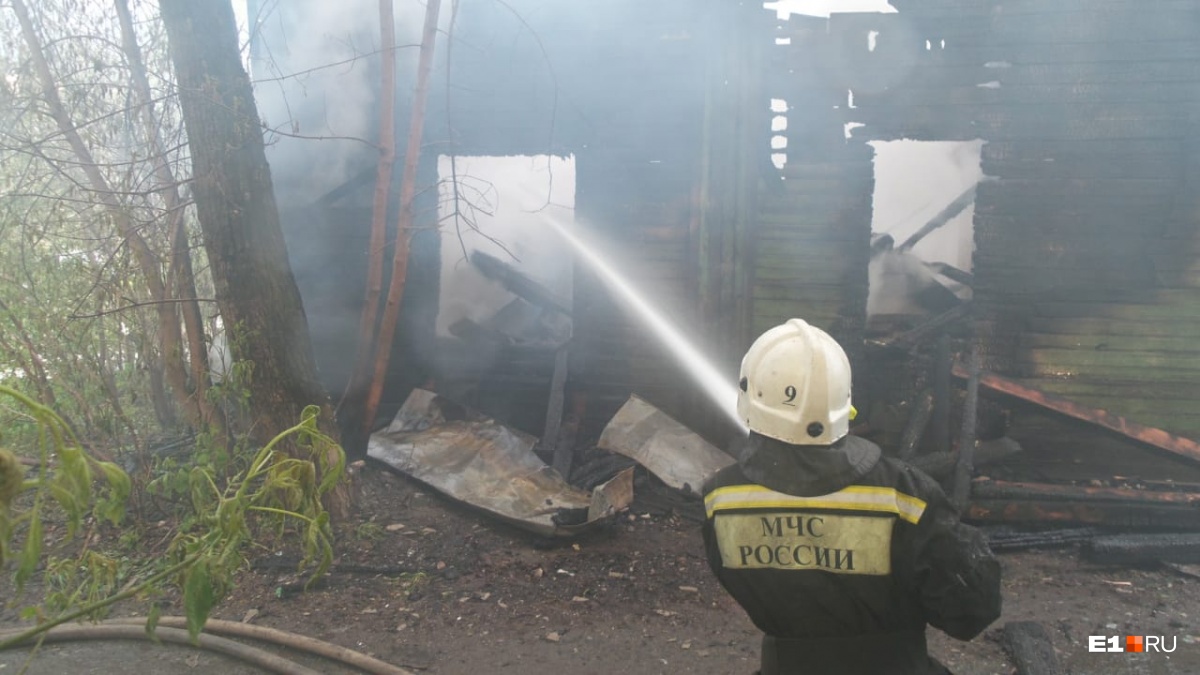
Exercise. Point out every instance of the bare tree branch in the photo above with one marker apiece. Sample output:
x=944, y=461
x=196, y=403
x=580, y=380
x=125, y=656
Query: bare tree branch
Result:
x=135, y=305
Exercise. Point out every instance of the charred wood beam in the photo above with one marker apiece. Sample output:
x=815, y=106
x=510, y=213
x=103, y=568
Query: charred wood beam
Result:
x=1156, y=438
x=1008, y=540
x=518, y=283
x=951, y=272
x=554, y=408
x=470, y=331
x=942, y=367
x=1029, y=645
x=922, y=408
x=1169, y=485
x=939, y=465
x=966, y=440
x=356, y=181
x=947, y=214
x=1141, y=549
x=998, y=489
x=1109, y=514
x=564, y=446
x=919, y=334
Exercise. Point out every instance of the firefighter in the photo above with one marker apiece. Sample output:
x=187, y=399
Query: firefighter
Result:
x=839, y=555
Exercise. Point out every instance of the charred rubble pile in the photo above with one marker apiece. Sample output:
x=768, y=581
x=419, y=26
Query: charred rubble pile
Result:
x=500, y=435
x=1035, y=470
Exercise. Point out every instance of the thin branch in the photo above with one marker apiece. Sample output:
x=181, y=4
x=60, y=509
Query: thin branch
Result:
x=357, y=57
x=135, y=305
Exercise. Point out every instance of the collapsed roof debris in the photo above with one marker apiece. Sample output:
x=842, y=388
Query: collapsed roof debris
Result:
x=482, y=463
x=675, y=454
x=1157, y=438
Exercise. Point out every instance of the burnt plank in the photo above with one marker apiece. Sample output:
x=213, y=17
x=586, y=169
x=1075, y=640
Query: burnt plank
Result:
x=1070, y=336
x=1049, y=167
x=965, y=464
x=1027, y=53
x=1157, y=438
x=956, y=74
x=1124, y=331
x=921, y=409
x=998, y=489
x=1106, y=149
x=1004, y=539
x=554, y=412
x=961, y=99
x=1142, y=549
x=941, y=464
x=1131, y=516
x=1095, y=6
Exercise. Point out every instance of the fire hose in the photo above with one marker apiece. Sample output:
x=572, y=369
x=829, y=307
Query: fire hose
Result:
x=170, y=629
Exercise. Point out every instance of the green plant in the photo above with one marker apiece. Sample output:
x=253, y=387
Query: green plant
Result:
x=410, y=582
x=220, y=457
x=281, y=490
x=82, y=580
x=369, y=531
x=69, y=485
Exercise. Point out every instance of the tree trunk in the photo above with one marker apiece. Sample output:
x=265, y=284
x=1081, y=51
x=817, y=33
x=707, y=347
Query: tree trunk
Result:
x=235, y=202
x=404, y=225
x=364, y=357
x=164, y=411
x=180, y=269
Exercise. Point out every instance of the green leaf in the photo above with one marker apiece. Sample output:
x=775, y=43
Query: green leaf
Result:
x=117, y=479
x=69, y=502
x=198, y=599
x=5, y=533
x=309, y=416
x=334, y=473
x=32, y=551
x=112, y=508
x=152, y=621
x=74, y=467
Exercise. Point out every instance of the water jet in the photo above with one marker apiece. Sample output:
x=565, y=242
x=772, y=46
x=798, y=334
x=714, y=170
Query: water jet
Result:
x=719, y=389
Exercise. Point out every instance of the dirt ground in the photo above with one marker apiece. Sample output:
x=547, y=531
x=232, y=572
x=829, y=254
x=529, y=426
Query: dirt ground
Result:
x=424, y=583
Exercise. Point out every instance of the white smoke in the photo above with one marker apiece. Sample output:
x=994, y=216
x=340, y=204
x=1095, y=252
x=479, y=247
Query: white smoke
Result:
x=317, y=82
x=915, y=181
x=514, y=190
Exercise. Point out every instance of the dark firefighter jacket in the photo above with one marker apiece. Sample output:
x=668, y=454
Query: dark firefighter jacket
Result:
x=841, y=557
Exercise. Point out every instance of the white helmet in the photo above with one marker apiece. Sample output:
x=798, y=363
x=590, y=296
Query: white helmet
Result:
x=795, y=386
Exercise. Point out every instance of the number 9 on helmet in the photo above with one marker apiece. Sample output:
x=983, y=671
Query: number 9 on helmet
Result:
x=794, y=386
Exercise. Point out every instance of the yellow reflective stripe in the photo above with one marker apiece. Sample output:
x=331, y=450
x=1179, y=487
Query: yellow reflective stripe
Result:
x=853, y=498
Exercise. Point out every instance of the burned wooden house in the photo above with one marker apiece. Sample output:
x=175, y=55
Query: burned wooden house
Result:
x=739, y=167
